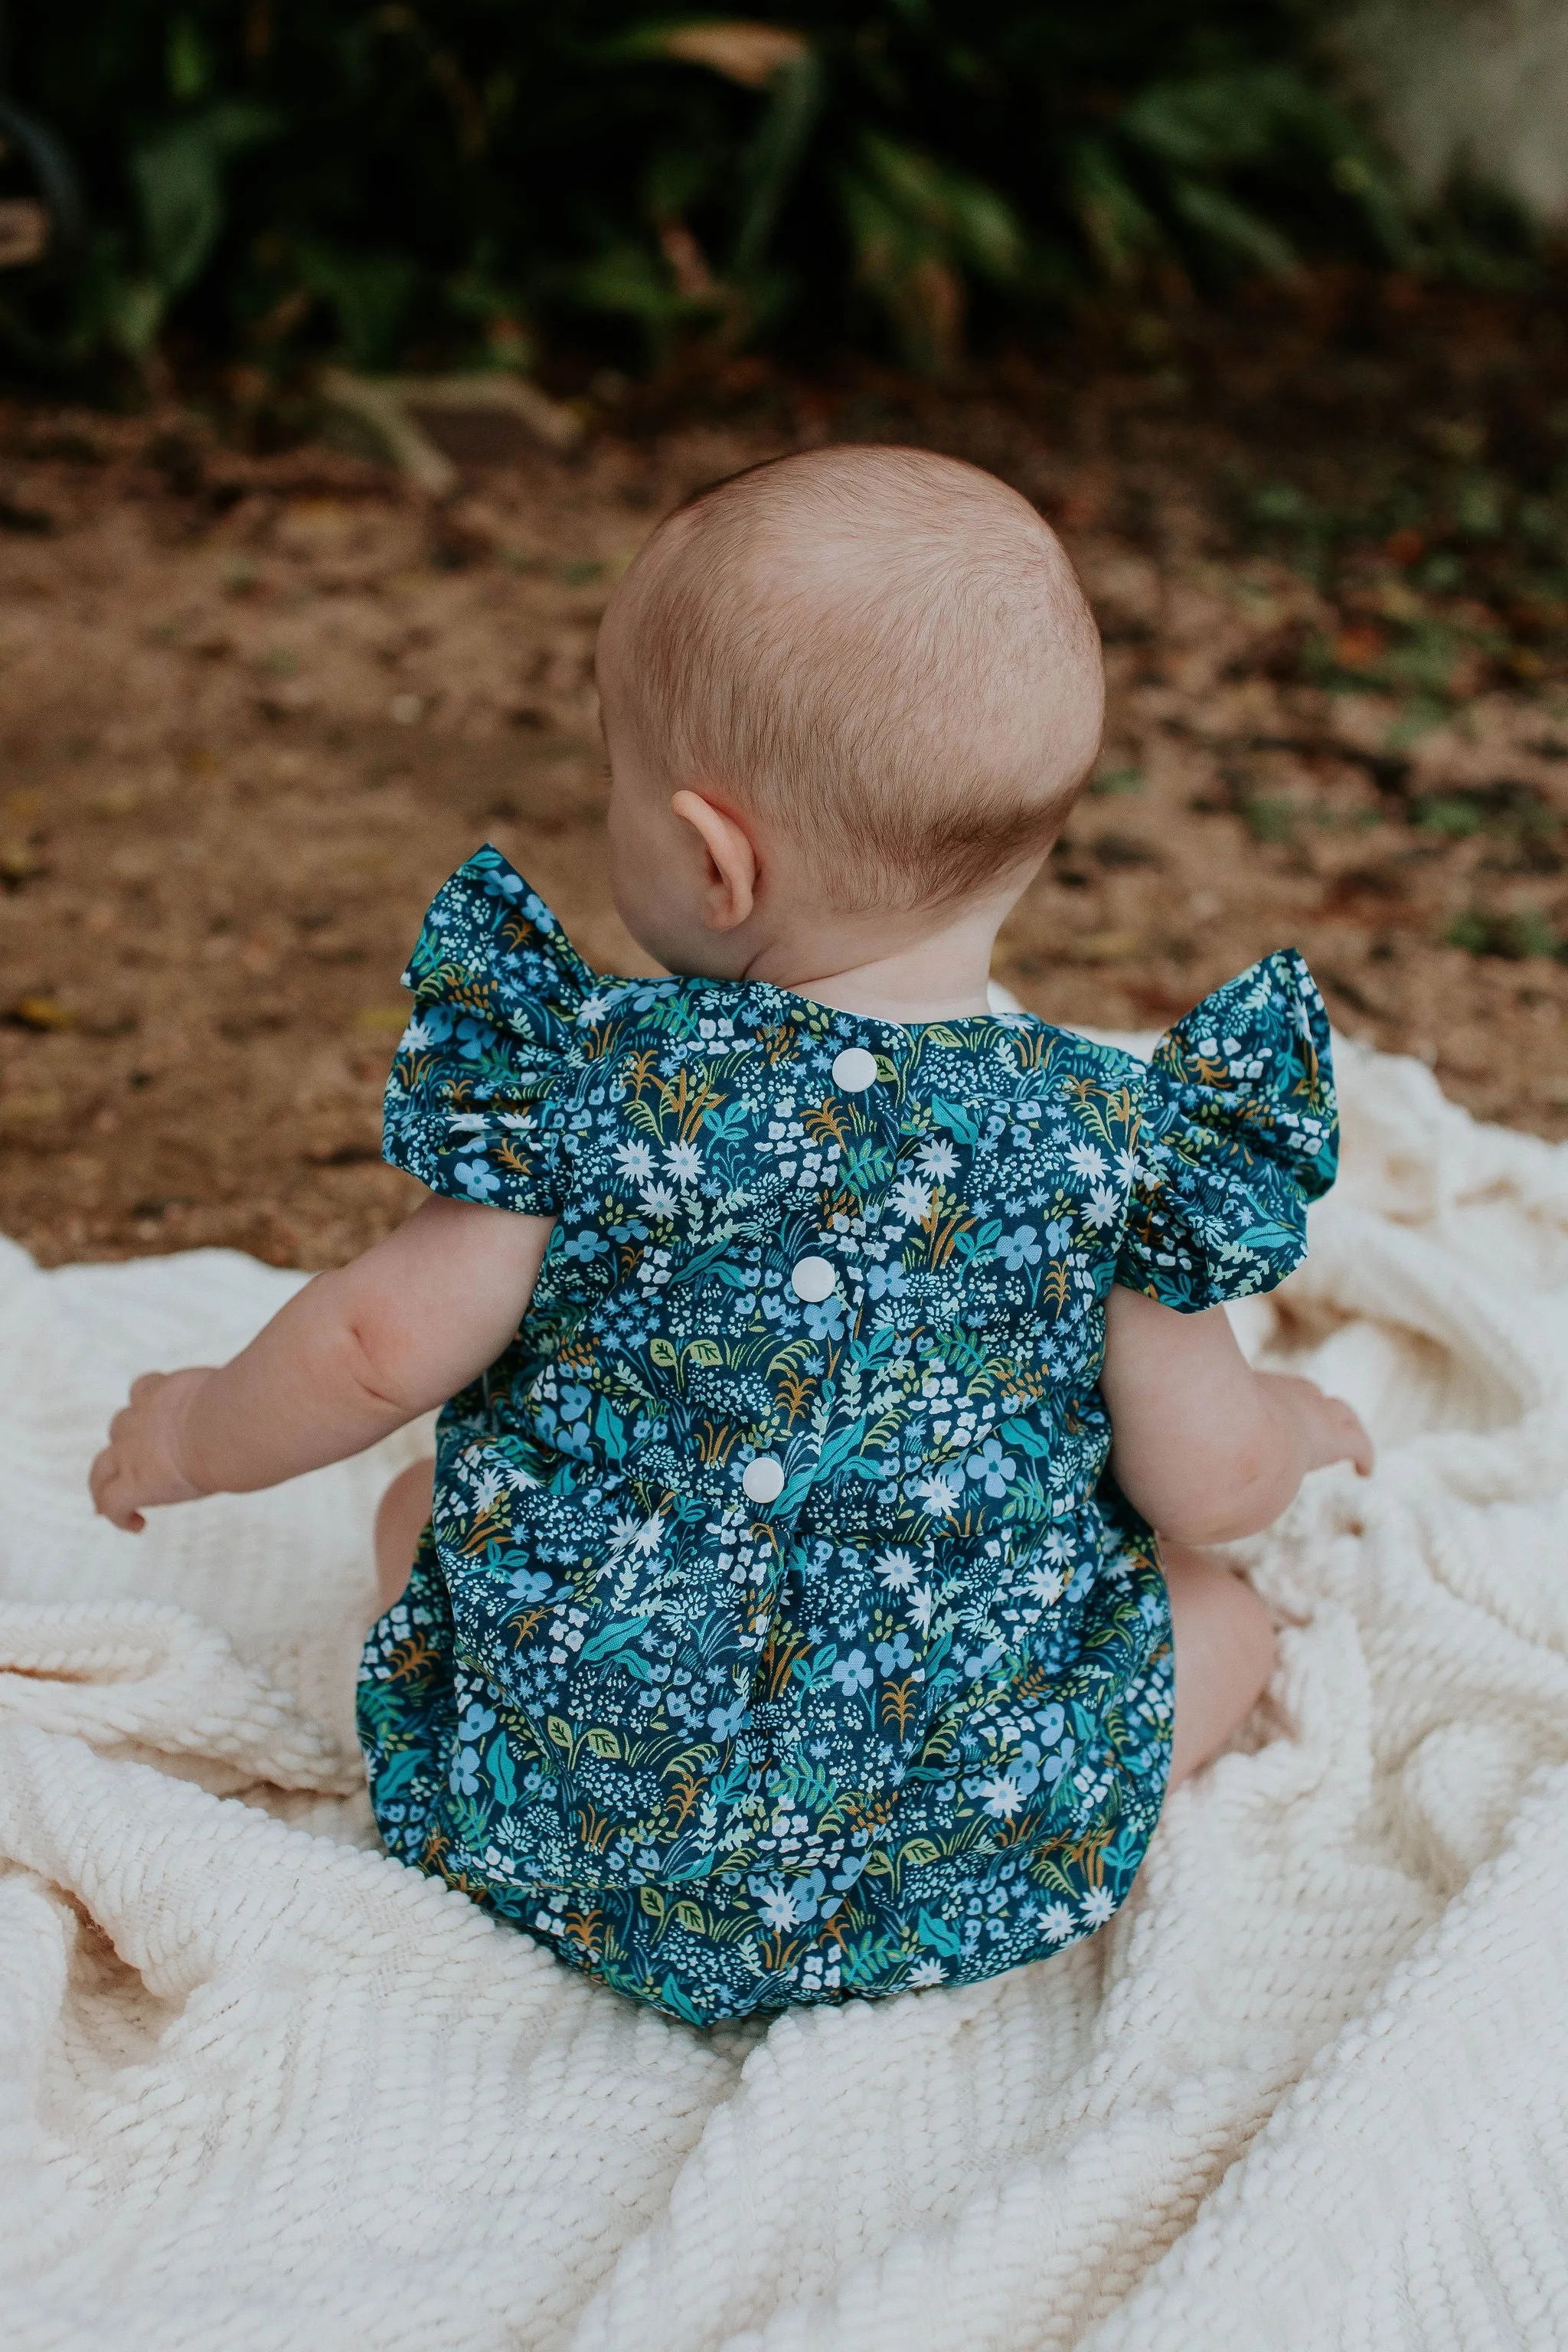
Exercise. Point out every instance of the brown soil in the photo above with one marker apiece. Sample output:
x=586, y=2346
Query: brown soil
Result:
x=254, y=710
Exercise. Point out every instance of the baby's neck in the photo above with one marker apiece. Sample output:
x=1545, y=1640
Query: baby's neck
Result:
x=941, y=976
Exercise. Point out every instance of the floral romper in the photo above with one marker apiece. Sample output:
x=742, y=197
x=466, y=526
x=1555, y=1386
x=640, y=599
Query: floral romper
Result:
x=780, y=1635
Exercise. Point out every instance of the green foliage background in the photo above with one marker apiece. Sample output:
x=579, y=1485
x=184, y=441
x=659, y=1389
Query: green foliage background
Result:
x=269, y=178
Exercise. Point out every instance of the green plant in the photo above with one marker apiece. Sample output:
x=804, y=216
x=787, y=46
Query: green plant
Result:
x=398, y=180
x=1527, y=932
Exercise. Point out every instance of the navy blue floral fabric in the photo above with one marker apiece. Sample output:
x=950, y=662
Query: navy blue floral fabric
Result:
x=779, y=1635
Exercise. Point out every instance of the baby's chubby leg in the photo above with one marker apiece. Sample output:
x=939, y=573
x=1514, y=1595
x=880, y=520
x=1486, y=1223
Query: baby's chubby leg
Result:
x=1225, y=1654
x=400, y=1520
x=1208, y=1450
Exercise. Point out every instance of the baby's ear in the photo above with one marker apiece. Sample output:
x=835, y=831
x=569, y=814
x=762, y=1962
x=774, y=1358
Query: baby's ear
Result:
x=731, y=882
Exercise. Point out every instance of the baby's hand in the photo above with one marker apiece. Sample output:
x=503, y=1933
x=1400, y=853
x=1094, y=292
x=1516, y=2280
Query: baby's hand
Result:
x=1327, y=1429
x=141, y=1464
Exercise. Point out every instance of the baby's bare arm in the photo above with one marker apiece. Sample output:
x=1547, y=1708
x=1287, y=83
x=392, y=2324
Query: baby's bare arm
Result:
x=1207, y=1448
x=353, y=1356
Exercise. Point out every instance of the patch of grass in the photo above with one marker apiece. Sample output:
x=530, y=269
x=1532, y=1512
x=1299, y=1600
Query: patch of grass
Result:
x=1518, y=935
x=1515, y=812
x=1269, y=820
x=281, y=179
x=1450, y=816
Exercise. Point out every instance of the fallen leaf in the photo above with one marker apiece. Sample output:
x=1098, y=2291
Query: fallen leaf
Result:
x=749, y=54
x=1358, y=647
x=19, y=863
x=40, y=1013
x=1104, y=947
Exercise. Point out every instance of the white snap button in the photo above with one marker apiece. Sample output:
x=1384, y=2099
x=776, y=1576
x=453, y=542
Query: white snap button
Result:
x=763, y=1479
x=813, y=1278
x=855, y=1070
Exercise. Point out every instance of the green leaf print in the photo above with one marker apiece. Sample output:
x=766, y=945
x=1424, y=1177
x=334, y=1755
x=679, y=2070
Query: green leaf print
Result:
x=503, y=1780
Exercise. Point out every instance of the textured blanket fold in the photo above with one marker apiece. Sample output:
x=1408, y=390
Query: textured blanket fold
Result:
x=261, y=2086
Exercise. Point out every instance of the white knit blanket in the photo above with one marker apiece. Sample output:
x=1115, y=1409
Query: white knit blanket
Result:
x=261, y=2088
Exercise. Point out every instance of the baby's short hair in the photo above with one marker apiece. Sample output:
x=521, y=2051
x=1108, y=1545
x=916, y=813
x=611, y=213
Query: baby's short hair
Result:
x=885, y=651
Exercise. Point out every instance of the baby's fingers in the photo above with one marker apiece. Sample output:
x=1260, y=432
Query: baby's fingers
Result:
x=111, y=1495
x=1357, y=1446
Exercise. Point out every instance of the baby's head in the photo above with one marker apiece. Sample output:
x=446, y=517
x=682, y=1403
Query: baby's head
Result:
x=852, y=692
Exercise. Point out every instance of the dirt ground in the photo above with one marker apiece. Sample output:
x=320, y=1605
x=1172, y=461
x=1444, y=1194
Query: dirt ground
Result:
x=254, y=708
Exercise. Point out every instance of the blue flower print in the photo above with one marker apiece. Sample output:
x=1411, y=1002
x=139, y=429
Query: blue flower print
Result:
x=478, y=1180
x=1051, y=1726
x=571, y=1438
x=586, y=1246
x=907, y=1722
x=995, y=1469
x=824, y=1319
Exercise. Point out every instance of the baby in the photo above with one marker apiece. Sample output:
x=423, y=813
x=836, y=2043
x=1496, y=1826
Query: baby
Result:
x=807, y=1598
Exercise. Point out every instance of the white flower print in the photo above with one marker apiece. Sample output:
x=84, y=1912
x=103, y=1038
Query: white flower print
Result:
x=937, y=1159
x=778, y=1908
x=1097, y=1906
x=1103, y=1208
x=1086, y=1159
x=636, y=1161
x=684, y=1162
x=1000, y=1796
x=941, y=1493
x=896, y=1571
x=911, y=1200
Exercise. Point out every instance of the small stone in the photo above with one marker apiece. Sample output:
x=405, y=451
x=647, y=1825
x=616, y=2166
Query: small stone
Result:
x=41, y=1013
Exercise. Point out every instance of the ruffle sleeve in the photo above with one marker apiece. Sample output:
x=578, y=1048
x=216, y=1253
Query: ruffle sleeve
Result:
x=472, y=1102
x=1238, y=1130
